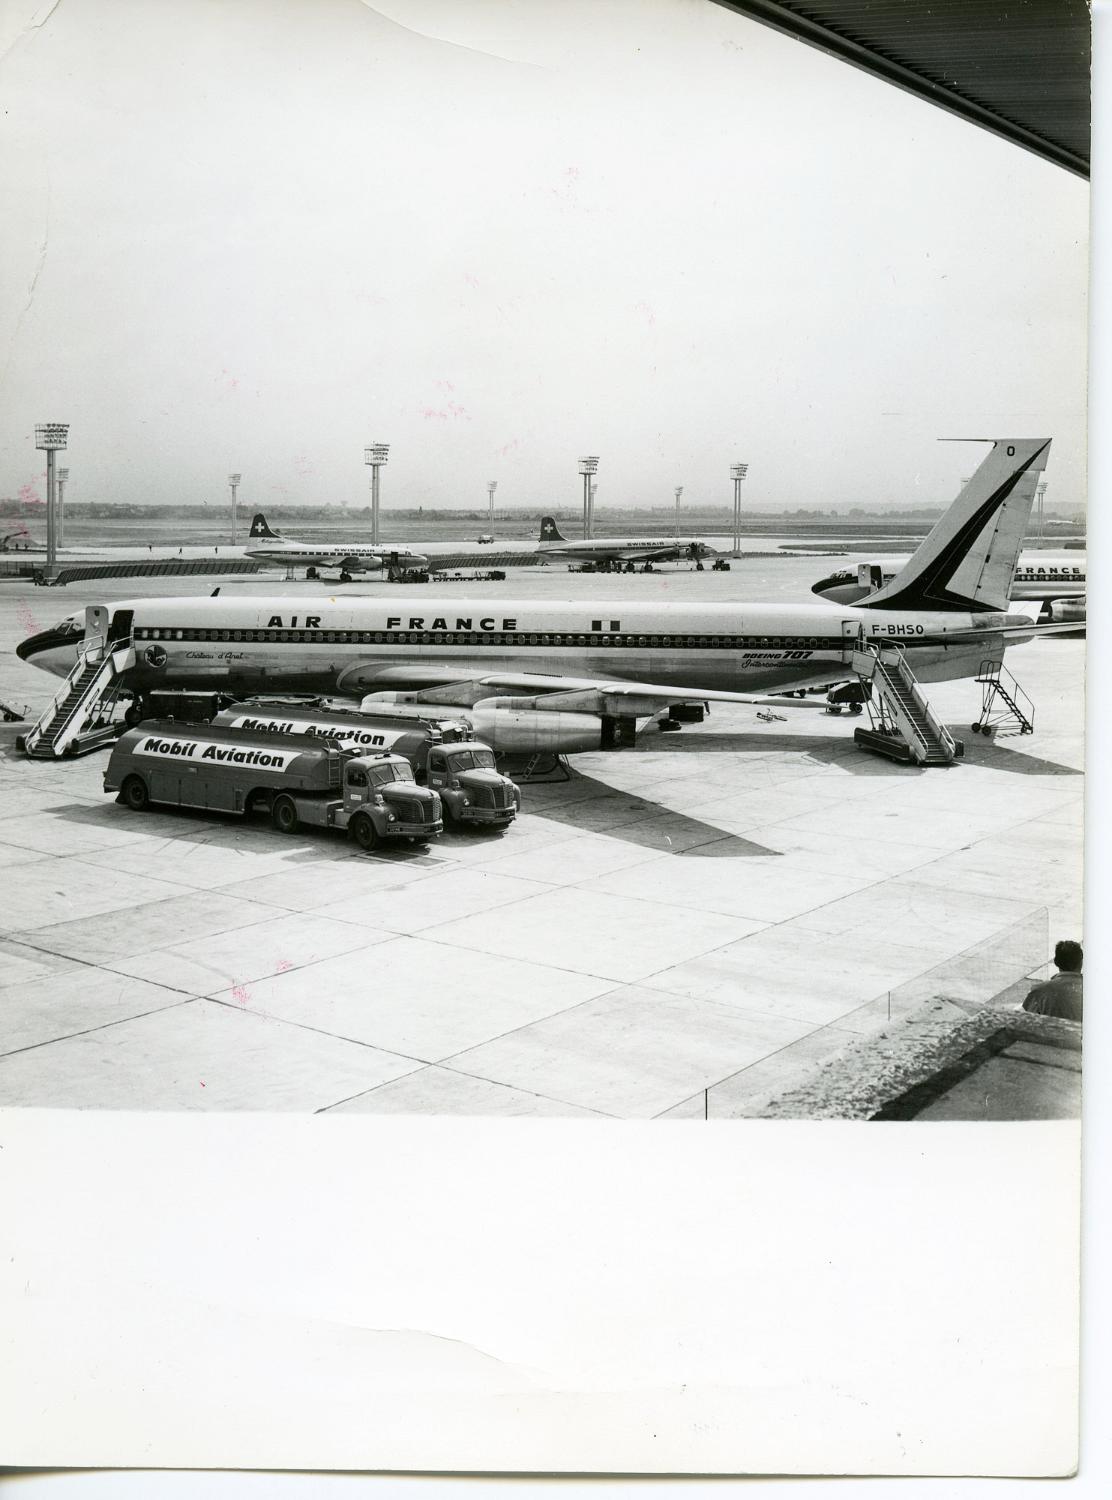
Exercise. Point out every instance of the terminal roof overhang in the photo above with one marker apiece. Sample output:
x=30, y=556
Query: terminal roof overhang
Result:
x=1019, y=68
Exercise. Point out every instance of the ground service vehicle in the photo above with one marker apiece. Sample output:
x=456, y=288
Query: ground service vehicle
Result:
x=300, y=779
x=461, y=770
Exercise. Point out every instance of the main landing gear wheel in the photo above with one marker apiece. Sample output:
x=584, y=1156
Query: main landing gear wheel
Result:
x=363, y=831
x=284, y=815
x=345, y=576
x=135, y=795
x=134, y=713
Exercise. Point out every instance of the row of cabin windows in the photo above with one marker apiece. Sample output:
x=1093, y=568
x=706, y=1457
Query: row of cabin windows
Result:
x=449, y=638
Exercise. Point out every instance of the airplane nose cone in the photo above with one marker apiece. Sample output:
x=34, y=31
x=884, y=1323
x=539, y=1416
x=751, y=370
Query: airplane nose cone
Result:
x=44, y=641
x=823, y=584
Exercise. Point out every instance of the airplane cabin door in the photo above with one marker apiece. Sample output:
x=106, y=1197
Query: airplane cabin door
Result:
x=96, y=622
x=119, y=629
x=853, y=639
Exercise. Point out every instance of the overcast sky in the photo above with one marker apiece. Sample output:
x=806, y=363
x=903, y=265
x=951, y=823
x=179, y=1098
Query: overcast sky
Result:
x=498, y=234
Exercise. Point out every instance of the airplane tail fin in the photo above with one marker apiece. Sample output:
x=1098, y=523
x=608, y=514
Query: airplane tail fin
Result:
x=968, y=561
x=259, y=526
x=550, y=532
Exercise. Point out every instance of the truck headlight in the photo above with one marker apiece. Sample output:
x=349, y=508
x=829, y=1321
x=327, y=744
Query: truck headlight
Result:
x=465, y=801
x=390, y=818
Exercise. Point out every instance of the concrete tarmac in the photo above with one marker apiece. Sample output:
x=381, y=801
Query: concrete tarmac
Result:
x=679, y=930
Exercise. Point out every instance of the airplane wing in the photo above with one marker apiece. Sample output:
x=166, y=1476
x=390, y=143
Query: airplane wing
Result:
x=438, y=683
x=654, y=554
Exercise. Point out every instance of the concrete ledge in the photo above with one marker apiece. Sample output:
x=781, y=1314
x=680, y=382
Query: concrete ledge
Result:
x=944, y=1062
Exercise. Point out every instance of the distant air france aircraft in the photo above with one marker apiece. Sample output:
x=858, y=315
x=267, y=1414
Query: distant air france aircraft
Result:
x=563, y=675
x=1038, y=575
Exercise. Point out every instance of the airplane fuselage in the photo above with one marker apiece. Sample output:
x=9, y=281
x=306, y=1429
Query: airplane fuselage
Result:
x=300, y=644
x=627, y=549
x=1037, y=576
x=330, y=554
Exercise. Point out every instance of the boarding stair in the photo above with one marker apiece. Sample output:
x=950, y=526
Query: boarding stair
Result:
x=82, y=714
x=1003, y=701
x=903, y=726
x=536, y=767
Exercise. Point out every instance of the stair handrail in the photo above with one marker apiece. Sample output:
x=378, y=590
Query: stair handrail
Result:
x=1022, y=700
x=93, y=650
x=911, y=682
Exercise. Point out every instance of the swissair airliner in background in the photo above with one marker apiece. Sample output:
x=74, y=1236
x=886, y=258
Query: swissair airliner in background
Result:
x=268, y=546
x=619, y=549
x=562, y=675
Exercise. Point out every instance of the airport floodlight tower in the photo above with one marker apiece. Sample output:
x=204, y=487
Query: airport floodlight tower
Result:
x=1040, y=495
x=60, y=531
x=492, y=485
x=376, y=455
x=233, y=484
x=679, y=497
x=588, y=467
x=50, y=438
x=738, y=473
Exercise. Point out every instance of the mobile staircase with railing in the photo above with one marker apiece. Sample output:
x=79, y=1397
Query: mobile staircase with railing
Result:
x=903, y=726
x=82, y=714
x=1003, y=701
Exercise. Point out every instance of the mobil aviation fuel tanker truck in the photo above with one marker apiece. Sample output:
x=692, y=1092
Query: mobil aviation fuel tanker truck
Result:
x=442, y=752
x=298, y=779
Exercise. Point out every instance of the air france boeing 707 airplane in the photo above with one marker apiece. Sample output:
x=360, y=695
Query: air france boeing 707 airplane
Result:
x=566, y=668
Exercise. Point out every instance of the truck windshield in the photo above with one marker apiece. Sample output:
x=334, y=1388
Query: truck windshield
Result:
x=381, y=775
x=468, y=760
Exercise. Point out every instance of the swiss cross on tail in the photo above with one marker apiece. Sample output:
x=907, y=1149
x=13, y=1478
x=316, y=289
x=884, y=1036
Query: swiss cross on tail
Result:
x=259, y=526
x=968, y=561
x=550, y=532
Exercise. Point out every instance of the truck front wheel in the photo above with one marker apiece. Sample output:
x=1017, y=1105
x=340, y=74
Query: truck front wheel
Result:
x=284, y=815
x=363, y=831
x=135, y=795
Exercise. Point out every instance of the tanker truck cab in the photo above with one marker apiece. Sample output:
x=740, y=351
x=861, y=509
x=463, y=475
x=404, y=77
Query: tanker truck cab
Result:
x=470, y=787
x=382, y=801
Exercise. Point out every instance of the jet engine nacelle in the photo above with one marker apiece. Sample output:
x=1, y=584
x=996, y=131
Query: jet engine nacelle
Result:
x=1068, y=609
x=508, y=724
x=505, y=725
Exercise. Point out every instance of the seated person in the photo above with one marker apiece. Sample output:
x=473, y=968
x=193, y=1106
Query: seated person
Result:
x=1060, y=996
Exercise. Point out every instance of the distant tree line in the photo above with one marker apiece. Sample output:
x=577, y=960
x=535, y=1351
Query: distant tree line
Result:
x=692, y=515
